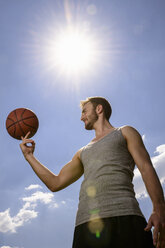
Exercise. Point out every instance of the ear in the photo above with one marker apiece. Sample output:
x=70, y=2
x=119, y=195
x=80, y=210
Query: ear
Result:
x=99, y=109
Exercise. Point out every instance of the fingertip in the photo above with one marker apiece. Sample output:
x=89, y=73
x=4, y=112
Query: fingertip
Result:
x=28, y=134
x=155, y=242
x=147, y=228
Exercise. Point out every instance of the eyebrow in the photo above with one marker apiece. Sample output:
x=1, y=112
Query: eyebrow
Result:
x=83, y=110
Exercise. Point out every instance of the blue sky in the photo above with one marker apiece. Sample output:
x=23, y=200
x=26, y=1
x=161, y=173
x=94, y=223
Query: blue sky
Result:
x=127, y=69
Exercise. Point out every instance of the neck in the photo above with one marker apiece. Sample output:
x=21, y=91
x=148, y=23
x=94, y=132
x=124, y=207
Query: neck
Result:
x=102, y=127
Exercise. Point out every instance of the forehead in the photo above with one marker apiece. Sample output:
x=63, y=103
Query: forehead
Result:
x=88, y=105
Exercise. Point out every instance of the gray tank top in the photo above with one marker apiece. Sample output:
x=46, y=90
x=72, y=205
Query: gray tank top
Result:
x=107, y=188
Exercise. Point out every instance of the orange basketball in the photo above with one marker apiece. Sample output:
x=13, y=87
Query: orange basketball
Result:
x=20, y=121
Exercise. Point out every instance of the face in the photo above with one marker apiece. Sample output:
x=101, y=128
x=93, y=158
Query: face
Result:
x=89, y=116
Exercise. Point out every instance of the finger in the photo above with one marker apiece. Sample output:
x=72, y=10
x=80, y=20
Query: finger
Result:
x=26, y=136
x=158, y=245
x=162, y=236
x=155, y=234
x=148, y=227
x=28, y=141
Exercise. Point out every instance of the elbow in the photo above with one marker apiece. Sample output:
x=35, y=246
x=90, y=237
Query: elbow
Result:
x=53, y=184
x=56, y=188
x=53, y=189
x=57, y=184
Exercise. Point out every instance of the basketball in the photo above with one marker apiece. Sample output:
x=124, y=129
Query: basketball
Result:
x=20, y=121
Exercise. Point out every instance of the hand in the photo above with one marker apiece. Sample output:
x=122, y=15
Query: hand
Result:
x=157, y=219
x=27, y=149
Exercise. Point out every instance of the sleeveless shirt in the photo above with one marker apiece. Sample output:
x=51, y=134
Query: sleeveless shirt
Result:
x=107, y=189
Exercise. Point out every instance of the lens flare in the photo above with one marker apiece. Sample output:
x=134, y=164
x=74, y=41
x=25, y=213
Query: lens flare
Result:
x=96, y=226
x=91, y=191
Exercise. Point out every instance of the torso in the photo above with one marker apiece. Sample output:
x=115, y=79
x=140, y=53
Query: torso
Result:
x=108, y=170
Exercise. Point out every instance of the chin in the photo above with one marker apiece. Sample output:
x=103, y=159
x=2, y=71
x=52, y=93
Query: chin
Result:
x=88, y=127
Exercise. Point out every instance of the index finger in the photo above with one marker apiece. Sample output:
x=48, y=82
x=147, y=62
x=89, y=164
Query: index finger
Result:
x=26, y=136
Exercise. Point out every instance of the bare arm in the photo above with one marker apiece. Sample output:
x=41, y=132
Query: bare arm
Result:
x=71, y=172
x=151, y=180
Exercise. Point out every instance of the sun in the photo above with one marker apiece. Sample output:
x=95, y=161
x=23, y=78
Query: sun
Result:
x=72, y=51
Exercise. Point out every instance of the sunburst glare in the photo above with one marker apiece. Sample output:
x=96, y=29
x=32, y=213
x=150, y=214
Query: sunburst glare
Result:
x=70, y=46
x=71, y=51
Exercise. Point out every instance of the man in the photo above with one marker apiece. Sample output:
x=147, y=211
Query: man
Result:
x=108, y=213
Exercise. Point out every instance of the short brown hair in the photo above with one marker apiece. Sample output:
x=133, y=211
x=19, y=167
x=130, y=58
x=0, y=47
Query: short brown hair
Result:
x=96, y=100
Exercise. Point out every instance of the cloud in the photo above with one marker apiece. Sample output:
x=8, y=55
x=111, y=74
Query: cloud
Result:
x=141, y=195
x=158, y=162
x=6, y=246
x=10, y=224
x=33, y=186
x=27, y=212
x=39, y=196
x=162, y=180
x=144, y=137
x=159, y=159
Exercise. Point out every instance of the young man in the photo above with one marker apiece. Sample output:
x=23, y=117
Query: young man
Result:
x=108, y=212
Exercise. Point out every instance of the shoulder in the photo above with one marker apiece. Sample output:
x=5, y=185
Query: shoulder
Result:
x=130, y=132
x=78, y=154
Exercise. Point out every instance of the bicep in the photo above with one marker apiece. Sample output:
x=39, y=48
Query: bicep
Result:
x=70, y=173
x=136, y=148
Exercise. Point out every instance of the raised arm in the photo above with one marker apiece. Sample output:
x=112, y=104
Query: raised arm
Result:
x=152, y=183
x=71, y=172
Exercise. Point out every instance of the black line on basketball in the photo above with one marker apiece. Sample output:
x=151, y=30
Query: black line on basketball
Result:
x=19, y=124
x=10, y=120
x=13, y=131
x=28, y=125
x=26, y=118
x=24, y=110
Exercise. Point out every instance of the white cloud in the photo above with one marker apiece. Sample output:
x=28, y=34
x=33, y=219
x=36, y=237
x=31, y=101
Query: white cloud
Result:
x=162, y=180
x=143, y=137
x=10, y=224
x=54, y=205
x=27, y=212
x=33, y=186
x=141, y=195
x=39, y=196
x=6, y=246
x=159, y=159
x=160, y=149
x=158, y=162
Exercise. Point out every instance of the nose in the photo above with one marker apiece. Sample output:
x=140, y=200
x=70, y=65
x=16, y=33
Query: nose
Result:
x=82, y=117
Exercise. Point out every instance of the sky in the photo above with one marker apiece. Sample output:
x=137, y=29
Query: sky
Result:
x=122, y=45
